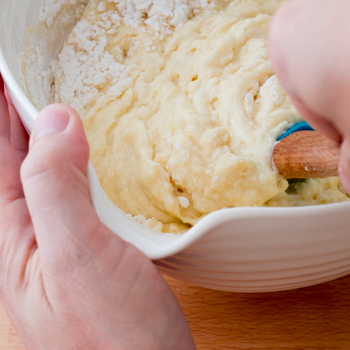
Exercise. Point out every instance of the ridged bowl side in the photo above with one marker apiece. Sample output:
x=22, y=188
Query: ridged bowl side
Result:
x=261, y=252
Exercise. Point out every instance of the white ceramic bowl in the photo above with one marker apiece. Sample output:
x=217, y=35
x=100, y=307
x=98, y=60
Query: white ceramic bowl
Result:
x=241, y=249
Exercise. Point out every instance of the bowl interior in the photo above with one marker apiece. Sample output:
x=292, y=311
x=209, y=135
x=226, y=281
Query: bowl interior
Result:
x=22, y=30
x=27, y=49
x=19, y=22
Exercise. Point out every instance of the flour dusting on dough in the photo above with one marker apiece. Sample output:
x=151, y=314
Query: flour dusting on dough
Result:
x=181, y=107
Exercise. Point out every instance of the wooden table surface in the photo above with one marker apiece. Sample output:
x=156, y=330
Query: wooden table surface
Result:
x=316, y=318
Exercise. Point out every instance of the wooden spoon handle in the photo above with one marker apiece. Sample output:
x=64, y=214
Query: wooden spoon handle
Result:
x=305, y=155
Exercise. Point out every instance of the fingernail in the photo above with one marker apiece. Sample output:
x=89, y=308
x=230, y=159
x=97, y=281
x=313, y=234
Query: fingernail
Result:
x=50, y=122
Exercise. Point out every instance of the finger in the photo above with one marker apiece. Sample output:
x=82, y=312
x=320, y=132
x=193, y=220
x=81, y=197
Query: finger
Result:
x=19, y=135
x=317, y=122
x=310, y=56
x=344, y=166
x=4, y=117
x=10, y=183
x=57, y=192
x=17, y=240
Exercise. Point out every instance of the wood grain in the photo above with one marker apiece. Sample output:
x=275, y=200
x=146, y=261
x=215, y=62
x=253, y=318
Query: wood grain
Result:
x=314, y=318
x=305, y=155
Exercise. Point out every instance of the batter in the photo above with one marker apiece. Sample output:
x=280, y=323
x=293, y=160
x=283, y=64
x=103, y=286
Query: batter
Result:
x=181, y=108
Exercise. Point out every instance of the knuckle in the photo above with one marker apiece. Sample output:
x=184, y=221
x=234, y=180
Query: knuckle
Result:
x=43, y=162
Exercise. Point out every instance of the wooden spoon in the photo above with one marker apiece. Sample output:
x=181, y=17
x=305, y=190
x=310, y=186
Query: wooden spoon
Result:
x=306, y=155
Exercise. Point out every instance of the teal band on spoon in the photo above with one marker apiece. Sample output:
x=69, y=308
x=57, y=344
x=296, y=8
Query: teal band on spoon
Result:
x=302, y=126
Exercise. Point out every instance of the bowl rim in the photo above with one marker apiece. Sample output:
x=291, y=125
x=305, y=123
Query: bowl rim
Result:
x=208, y=222
x=13, y=86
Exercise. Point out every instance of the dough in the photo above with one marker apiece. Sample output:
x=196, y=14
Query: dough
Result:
x=181, y=107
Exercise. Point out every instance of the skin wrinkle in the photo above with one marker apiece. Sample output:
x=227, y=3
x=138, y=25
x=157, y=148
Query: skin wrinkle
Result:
x=81, y=183
x=22, y=152
x=71, y=252
x=28, y=247
x=89, y=258
x=58, y=177
x=8, y=231
x=80, y=249
x=51, y=308
x=127, y=298
x=52, y=162
x=19, y=233
x=32, y=263
x=63, y=258
x=123, y=260
x=105, y=248
x=4, y=135
x=13, y=195
x=77, y=241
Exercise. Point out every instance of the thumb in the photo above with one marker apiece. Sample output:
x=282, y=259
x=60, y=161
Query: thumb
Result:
x=58, y=135
x=56, y=189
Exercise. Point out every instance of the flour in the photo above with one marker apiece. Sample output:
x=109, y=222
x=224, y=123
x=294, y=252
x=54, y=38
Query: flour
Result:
x=49, y=10
x=85, y=64
x=152, y=223
x=56, y=19
x=195, y=106
x=161, y=16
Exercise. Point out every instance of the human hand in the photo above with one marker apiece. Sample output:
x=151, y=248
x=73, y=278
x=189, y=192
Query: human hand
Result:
x=66, y=281
x=309, y=45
